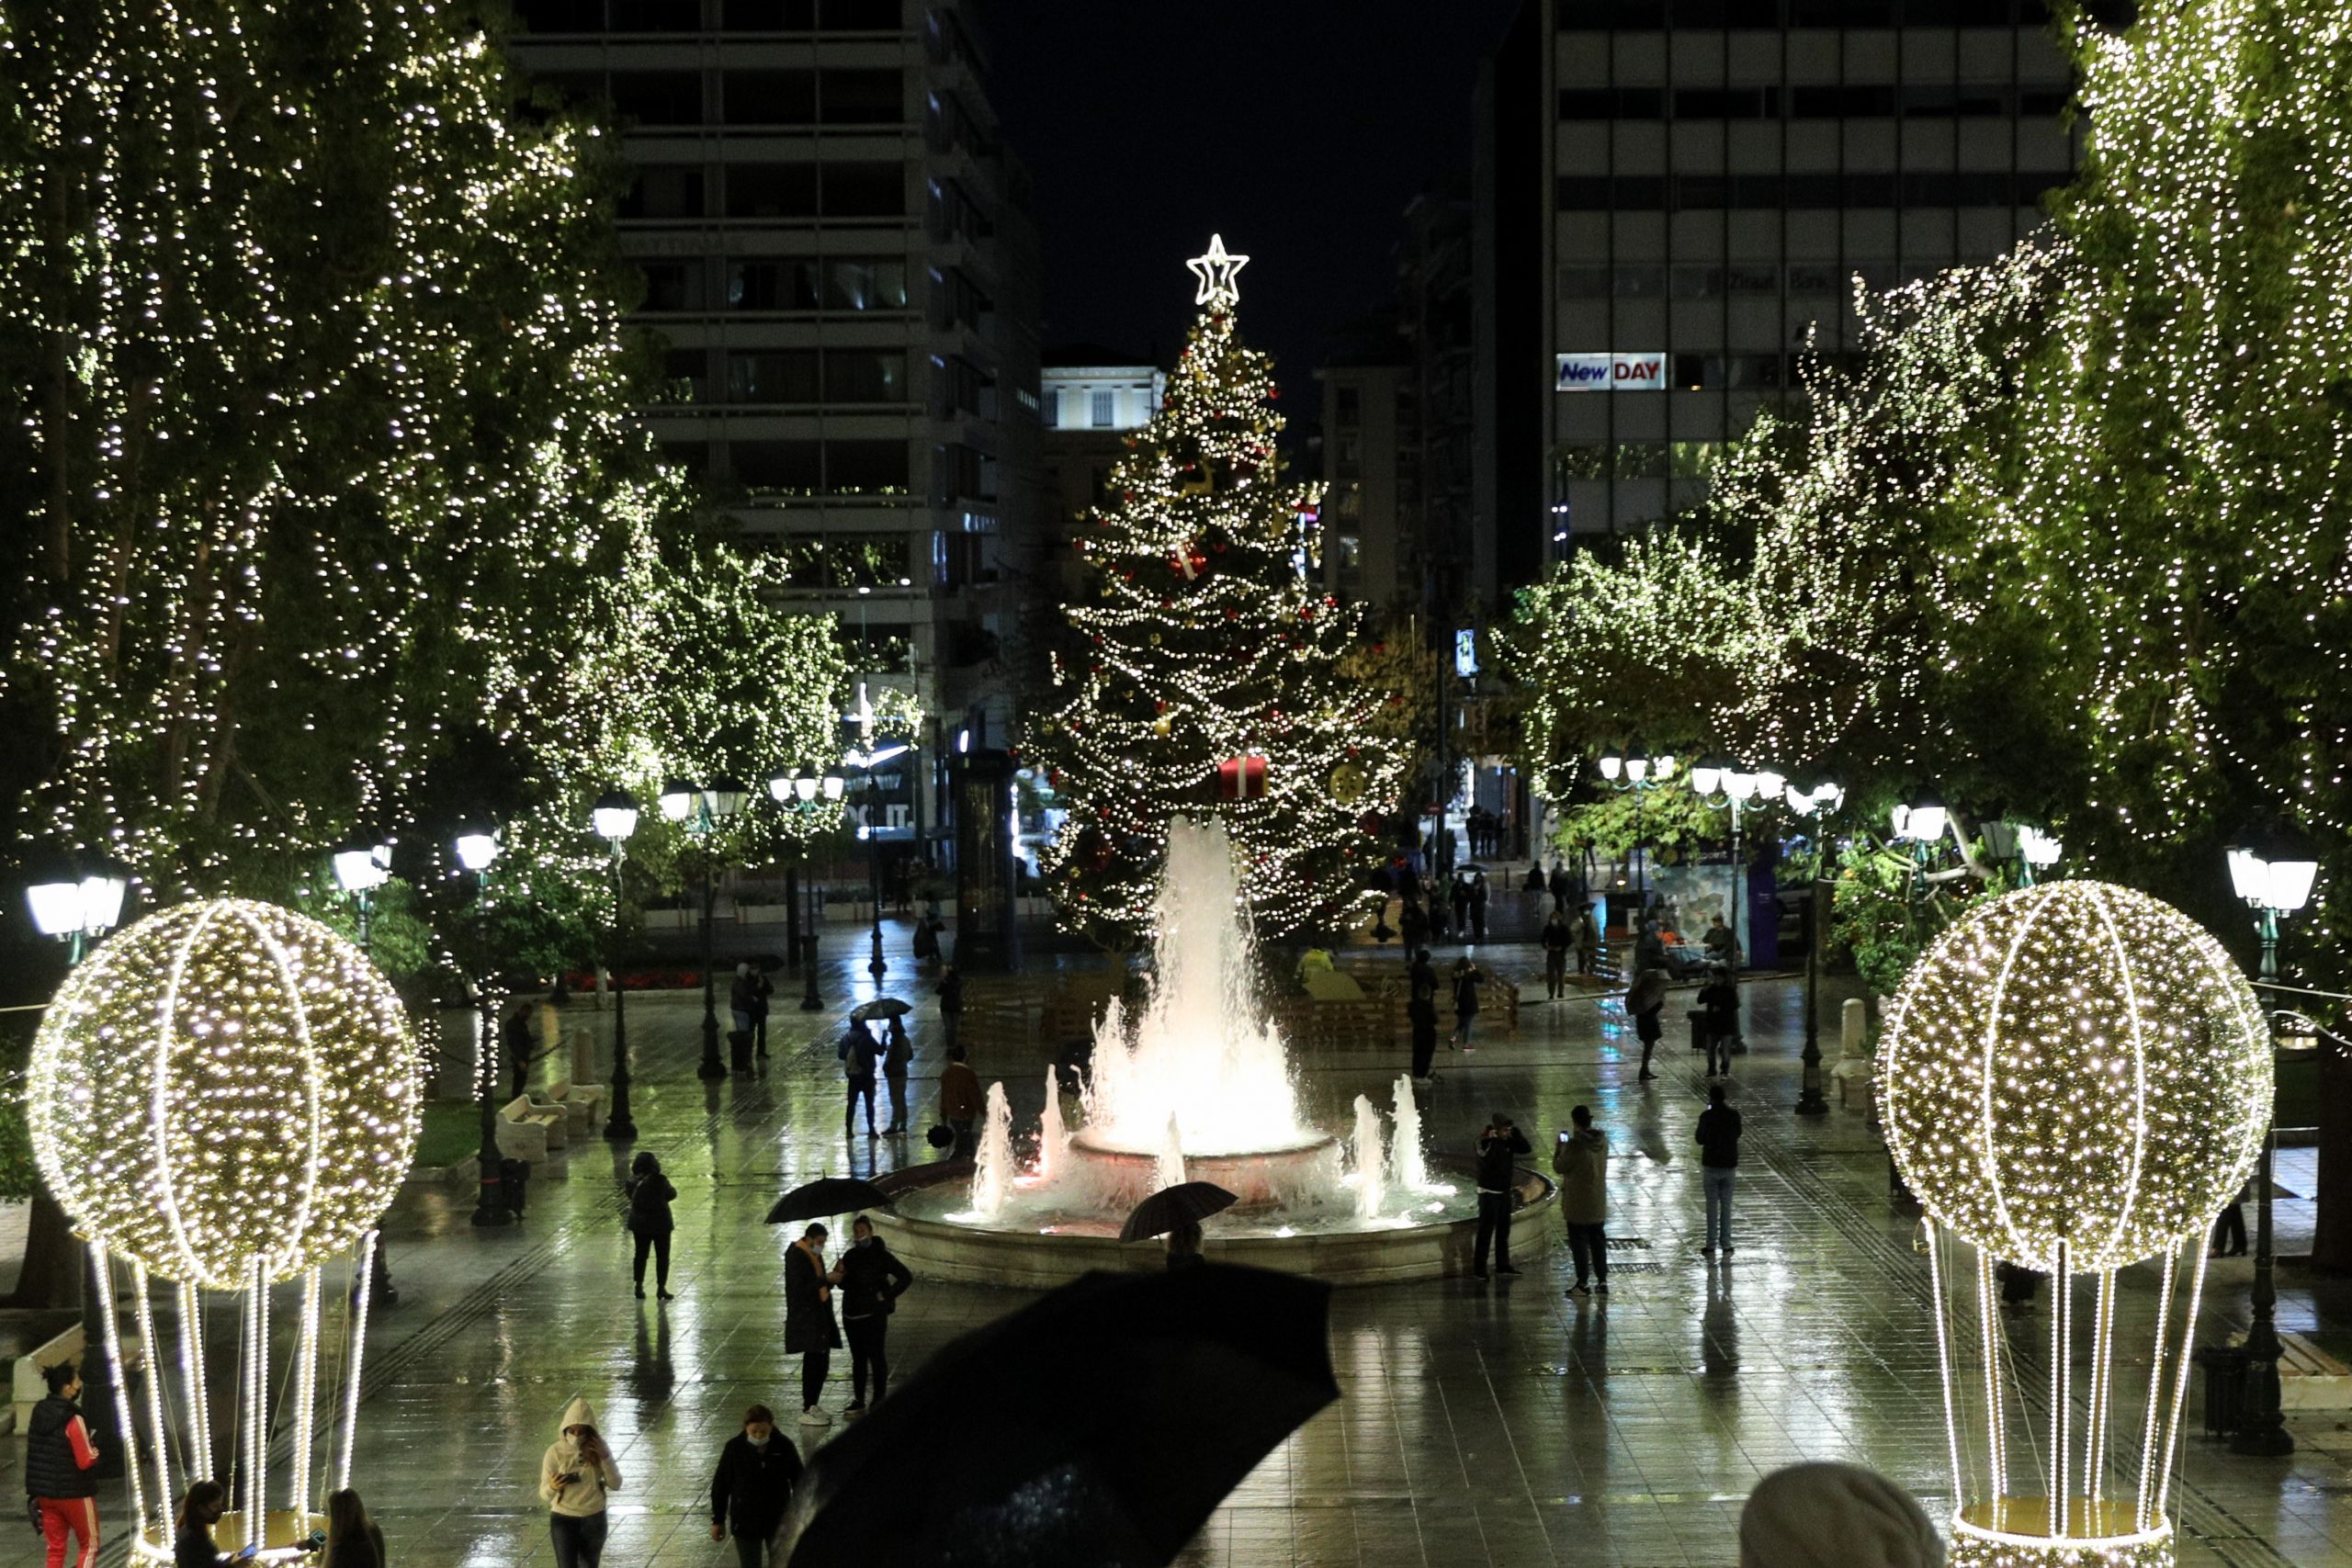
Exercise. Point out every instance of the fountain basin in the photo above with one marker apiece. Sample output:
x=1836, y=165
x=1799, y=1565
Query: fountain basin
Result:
x=1115, y=1181
x=1031, y=1246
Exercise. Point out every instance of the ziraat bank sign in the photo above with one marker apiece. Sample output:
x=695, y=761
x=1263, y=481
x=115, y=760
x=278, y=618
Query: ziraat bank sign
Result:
x=1612, y=372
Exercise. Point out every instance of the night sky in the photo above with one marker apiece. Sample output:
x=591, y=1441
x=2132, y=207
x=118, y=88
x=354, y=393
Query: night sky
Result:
x=1297, y=128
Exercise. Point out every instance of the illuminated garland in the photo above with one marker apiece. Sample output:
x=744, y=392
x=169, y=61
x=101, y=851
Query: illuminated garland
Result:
x=1207, y=648
x=225, y=1084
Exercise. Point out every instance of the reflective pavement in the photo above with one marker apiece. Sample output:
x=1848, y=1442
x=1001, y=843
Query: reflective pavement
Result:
x=1501, y=1422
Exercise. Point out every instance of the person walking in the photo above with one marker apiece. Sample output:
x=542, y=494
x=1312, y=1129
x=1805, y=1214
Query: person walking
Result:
x=519, y=1039
x=762, y=991
x=1718, y=1142
x=898, y=1054
x=2229, y=1226
x=1461, y=899
x=858, y=1054
x=1580, y=1160
x=1498, y=1145
x=352, y=1540
x=1420, y=1009
x=1477, y=909
x=1720, y=998
x=1559, y=885
x=201, y=1506
x=753, y=1487
x=1467, y=978
x=926, y=939
x=872, y=1281
x=575, y=1477
x=951, y=1003
x=649, y=1197
x=62, y=1469
x=1645, y=1002
x=1587, y=940
x=960, y=1102
x=1557, y=939
x=1412, y=923
x=809, y=1331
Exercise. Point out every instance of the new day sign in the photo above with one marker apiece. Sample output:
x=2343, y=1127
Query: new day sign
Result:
x=1612, y=372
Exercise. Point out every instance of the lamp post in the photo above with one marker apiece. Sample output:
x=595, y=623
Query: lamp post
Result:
x=359, y=869
x=1636, y=770
x=705, y=809
x=77, y=907
x=1818, y=802
x=614, y=818
x=798, y=790
x=476, y=852
x=866, y=762
x=2275, y=878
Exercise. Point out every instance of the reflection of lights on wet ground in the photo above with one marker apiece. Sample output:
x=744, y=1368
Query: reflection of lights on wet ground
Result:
x=1286, y=1230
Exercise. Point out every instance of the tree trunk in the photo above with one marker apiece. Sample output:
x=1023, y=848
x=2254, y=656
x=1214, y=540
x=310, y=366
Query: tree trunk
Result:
x=51, y=1276
x=2332, y=1238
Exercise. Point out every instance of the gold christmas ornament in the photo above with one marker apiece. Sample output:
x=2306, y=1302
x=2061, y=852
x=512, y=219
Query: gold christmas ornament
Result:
x=2075, y=1064
x=224, y=1086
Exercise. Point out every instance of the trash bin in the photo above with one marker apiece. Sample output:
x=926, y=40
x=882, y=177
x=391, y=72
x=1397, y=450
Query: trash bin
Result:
x=2225, y=1367
x=1698, y=1029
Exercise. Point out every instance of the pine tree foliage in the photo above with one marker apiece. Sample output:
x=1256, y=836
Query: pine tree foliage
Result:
x=1205, y=676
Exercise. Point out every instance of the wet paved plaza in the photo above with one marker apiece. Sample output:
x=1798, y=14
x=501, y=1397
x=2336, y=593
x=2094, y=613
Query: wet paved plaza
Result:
x=1498, y=1423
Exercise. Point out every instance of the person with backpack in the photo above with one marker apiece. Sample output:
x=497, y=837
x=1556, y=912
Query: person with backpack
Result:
x=62, y=1469
x=872, y=1282
x=649, y=1197
x=898, y=1055
x=757, y=1470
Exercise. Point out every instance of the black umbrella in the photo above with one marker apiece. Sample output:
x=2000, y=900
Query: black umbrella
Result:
x=832, y=1195
x=880, y=1007
x=1121, y=1410
x=1186, y=1203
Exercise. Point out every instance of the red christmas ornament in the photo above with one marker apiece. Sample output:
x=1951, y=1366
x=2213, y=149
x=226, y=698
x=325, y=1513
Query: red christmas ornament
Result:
x=1242, y=778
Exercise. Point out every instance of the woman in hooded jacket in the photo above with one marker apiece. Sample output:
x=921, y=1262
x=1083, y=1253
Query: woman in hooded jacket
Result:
x=574, y=1478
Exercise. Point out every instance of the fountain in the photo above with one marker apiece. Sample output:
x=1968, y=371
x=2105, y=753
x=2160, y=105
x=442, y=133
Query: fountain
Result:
x=1194, y=1084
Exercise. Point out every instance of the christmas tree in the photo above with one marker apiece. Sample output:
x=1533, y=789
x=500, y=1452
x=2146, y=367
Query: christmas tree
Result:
x=1203, y=679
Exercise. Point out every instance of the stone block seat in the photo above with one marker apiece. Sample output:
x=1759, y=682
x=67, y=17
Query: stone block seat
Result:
x=526, y=1129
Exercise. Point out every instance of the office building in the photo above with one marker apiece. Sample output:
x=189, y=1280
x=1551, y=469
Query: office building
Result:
x=839, y=260
x=1673, y=194
x=1093, y=400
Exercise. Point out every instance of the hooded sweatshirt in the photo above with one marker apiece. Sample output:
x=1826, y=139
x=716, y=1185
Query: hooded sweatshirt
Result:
x=1582, y=1164
x=585, y=1495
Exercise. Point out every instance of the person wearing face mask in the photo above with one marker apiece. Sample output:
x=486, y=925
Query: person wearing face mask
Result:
x=575, y=1477
x=809, y=1331
x=872, y=1281
x=201, y=1508
x=757, y=1470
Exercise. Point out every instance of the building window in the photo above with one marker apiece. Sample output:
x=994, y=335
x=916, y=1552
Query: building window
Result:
x=1051, y=402
x=771, y=97
x=1347, y=405
x=657, y=97
x=1106, y=410
x=861, y=97
x=662, y=191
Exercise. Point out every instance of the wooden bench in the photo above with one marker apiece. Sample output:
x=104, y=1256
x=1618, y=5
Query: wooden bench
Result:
x=2311, y=1379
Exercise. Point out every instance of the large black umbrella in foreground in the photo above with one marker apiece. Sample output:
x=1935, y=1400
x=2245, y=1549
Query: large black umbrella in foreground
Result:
x=833, y=1195
x=1120, y=1410
x=1172, y=1208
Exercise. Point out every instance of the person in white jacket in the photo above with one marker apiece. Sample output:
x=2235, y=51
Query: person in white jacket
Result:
x=574, y=1478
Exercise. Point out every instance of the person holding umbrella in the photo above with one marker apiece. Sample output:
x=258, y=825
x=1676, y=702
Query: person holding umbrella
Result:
x=757, y=1470
x=872, y=1281
x=858, y=1053
x=809, y=1331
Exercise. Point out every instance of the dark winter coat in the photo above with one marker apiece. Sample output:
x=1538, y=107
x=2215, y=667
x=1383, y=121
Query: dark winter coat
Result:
x=808, y=1316
x=898, y=1053
x=1495, y=1159
x=872, y=1280
x=1466, y=991
x=56, y=1442
x=857, y=1053
x=1423, y=1003
x=1557, y=936
x=753, y=1486
x=649, y=1198
x=193, y=1546
x=1718, y=1138
x=951, y=995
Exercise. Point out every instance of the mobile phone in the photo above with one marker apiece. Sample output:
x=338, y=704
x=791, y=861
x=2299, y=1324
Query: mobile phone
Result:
x=1563, y=1134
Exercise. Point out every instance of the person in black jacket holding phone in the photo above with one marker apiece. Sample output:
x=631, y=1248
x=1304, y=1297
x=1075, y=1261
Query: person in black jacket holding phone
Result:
x=872, y=1282
x=757, y=1470
x=1498, y=1145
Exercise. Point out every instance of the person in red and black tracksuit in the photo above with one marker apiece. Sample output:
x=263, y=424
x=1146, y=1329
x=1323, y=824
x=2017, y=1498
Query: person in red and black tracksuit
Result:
x=62, y=1469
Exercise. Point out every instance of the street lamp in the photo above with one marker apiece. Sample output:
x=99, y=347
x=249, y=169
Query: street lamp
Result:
x=705, y=808
x=1819, y=801
x=359, y=869
x=2037, y=850
x=1738, y=785
x=2274, y=875
x=1636, y=770
x=799, y=791
x=477, y=851
x=77, y=906
x=614, y=818
x=834, y=786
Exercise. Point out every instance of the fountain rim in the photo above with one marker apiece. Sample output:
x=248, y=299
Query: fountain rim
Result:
x=1095, y=1147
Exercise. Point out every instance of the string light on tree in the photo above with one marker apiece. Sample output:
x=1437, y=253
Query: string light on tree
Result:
x=1205, y=674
